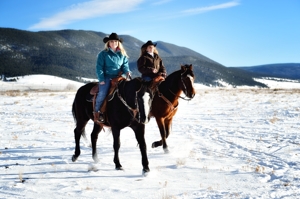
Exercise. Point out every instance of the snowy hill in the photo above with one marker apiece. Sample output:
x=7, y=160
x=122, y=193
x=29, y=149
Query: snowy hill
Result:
x=40, y=82
x=53, y=83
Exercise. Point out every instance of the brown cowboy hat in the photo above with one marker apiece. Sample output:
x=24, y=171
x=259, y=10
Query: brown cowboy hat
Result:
x=112, y=36
x=149, y=43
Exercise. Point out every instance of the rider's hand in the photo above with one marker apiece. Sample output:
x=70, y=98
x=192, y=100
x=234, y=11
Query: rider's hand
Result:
x=162, y=74
x=102, y=83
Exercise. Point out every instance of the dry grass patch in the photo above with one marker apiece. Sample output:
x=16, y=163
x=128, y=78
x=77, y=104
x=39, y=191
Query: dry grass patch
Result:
x=259, y=169
x=12, y=93
x=21, y=177
x=180, y=162
x=274, y=120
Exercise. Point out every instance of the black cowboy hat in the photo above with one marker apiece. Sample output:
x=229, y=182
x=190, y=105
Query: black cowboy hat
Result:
x=112, y=36
x=149, y=43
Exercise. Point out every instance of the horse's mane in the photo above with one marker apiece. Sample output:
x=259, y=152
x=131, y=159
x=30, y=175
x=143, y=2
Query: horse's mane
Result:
x=123, y=82
x=170, y=81
x=133, y=85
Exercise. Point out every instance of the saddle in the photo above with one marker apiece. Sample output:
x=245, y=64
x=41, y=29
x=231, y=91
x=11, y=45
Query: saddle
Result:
x=95, y=89
x=156, y=81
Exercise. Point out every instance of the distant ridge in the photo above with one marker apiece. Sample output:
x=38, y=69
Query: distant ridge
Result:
x=283, y=70
x=72, y=53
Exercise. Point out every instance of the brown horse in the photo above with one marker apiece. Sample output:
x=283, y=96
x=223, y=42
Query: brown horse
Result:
x=165, y=102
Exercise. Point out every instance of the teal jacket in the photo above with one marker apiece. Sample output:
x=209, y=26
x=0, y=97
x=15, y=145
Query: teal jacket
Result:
x=110, y=63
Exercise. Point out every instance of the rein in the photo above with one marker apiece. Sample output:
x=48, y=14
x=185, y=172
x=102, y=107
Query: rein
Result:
x=168, y=101
x=184, y=98
x=135, y=111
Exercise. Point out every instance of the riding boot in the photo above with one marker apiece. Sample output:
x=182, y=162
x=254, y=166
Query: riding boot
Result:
x=96, y=116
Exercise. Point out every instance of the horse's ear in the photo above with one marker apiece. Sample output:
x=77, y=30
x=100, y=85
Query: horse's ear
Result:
x=183, y=67
x=191, y=66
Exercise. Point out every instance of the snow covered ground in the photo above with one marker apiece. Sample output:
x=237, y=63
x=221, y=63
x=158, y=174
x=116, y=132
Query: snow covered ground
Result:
x=225, y=143
x=39, y=82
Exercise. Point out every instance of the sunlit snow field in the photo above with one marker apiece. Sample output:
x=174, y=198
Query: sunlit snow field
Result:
x=225, y=143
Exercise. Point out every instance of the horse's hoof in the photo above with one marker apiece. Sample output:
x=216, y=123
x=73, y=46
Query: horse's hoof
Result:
x=166, y=150
x=119, y=168
x=146, y=171
x=156, y=144
x=74, y=158
x=96, y=160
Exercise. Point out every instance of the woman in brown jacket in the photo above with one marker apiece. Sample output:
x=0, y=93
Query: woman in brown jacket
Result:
x=149, y=62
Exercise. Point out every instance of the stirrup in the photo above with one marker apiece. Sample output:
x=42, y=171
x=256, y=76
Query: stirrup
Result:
x=98, y=117
x=101, y=117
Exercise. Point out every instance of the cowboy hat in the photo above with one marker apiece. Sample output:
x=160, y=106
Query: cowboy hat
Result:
x=112, y=36
x=149, y=43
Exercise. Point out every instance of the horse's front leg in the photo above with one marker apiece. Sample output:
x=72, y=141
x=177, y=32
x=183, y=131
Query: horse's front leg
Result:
x=116, y=145
x=94, y=137
x=168, y=123
x=162, y=129
x=139, y=130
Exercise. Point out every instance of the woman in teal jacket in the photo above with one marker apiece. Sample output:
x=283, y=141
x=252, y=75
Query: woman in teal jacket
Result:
x=110, y=62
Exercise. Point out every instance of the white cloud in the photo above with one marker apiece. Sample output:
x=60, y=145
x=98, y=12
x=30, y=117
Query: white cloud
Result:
x=88, y=9
x=211, y=8
x=161, y=2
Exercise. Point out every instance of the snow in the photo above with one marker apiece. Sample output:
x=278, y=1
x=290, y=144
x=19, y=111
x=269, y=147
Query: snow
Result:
x=40, y=82
x=225, y=143
x=280, y=83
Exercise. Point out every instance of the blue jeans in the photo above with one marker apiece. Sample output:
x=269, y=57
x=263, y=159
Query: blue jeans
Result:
x=103, y=90
x=147, y=78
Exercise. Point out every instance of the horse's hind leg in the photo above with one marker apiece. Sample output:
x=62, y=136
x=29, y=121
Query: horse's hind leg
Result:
x=94, y=137
x=78, y=131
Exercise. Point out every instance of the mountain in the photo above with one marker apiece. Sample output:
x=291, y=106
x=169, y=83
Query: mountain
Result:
x=73, y=53
x=284, y=70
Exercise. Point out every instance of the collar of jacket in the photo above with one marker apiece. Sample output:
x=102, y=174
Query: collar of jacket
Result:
x=152, y=54
x=148, y=54
x=117, y=51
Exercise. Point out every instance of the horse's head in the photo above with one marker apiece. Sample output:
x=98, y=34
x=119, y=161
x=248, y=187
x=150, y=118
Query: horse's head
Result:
x=187, y=80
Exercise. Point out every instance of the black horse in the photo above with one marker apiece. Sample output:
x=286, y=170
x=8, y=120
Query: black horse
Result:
x=129, y=106
x=165, y=102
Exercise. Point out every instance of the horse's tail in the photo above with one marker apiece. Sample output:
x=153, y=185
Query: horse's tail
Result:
x=75, y=118
x=74, y=112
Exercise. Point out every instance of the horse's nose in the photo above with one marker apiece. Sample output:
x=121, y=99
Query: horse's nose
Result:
x=192, y=95
x=147, y=119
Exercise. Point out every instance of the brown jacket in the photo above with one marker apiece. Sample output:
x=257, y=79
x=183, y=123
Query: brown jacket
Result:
x=146, y=63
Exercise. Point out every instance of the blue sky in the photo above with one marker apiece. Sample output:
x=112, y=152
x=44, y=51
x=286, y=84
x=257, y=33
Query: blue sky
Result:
x=231, y=32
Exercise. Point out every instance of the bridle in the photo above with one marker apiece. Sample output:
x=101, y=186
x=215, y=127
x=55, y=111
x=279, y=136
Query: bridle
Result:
x=184, y=85
x=184, y=91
